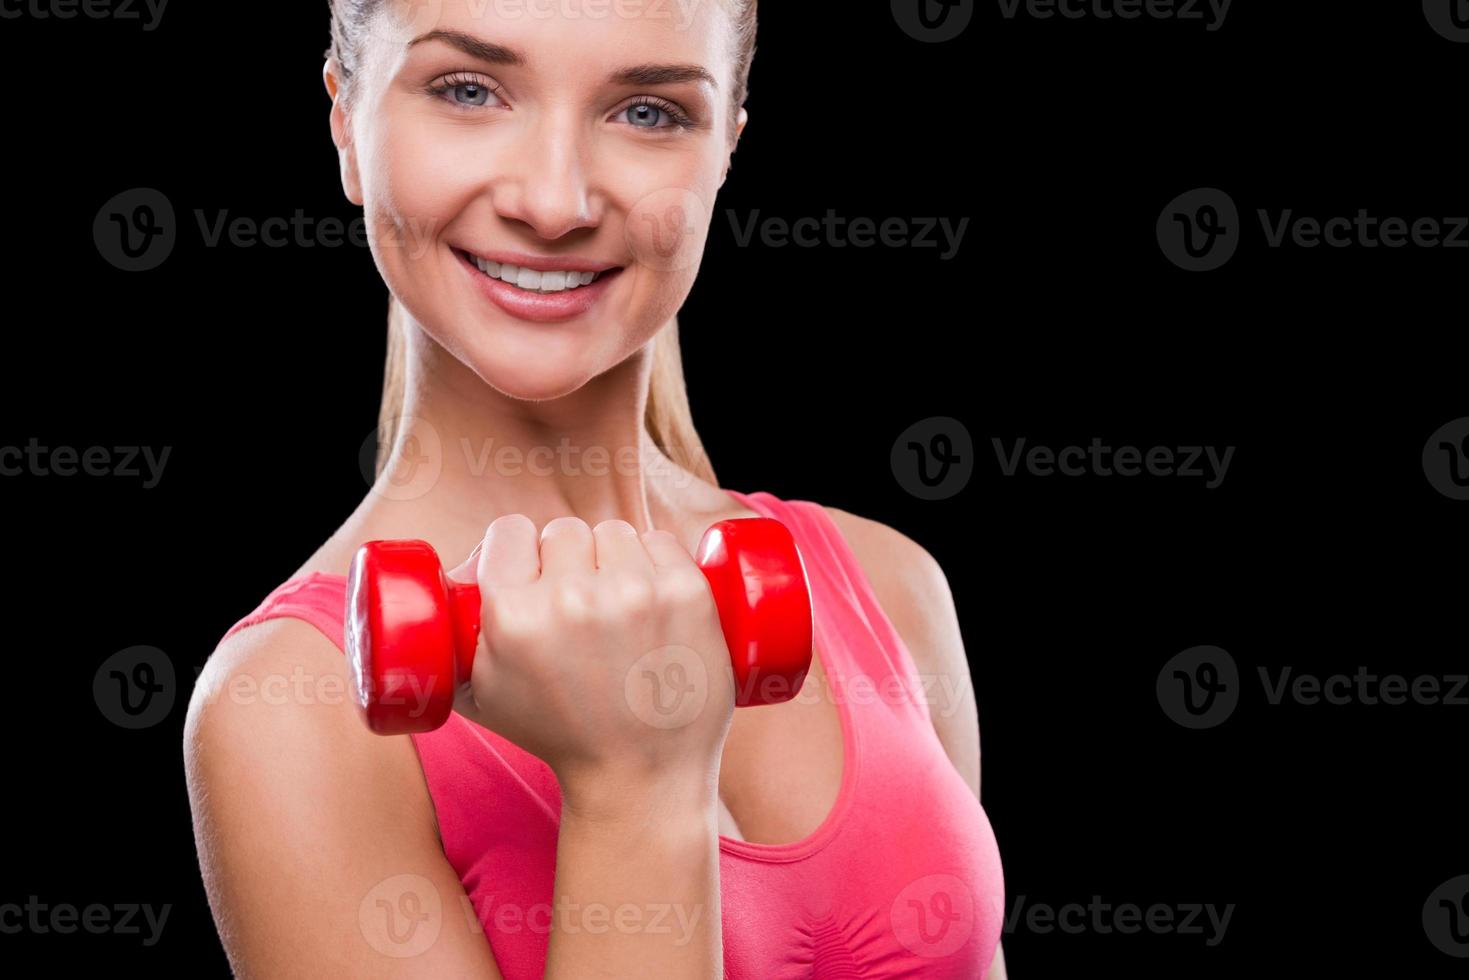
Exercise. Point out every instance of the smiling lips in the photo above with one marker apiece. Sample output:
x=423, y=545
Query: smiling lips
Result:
x=536, y=280
x=539, y=289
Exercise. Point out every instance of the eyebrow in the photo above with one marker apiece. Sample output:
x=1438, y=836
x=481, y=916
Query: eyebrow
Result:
x=498, y=54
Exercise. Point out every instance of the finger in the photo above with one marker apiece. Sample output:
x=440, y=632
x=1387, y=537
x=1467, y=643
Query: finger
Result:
x=620, y=548
x=666, y=550
x=509, y=555
x=567, y=547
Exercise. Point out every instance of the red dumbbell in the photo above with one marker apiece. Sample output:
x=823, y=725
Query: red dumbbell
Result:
x=411, y=631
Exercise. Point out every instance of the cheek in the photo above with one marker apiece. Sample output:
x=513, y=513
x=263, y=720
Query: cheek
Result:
x=667, y=199
x=412, y=189
x=666, y=213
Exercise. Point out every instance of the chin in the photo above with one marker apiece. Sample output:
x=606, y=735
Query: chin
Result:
x=543, y=382
x=536, y=362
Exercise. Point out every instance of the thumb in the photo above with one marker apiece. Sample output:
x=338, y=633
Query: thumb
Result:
x=465, y=571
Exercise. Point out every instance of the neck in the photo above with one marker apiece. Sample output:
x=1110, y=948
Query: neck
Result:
x=464, y=453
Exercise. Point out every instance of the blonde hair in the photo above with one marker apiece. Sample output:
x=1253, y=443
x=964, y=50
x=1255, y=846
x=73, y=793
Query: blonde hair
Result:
x=667, y=418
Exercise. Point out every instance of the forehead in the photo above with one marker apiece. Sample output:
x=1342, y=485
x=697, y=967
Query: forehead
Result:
x=586, y=38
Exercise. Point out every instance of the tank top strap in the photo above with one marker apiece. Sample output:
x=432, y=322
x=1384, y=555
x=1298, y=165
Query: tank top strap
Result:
x=319, y=598
x=850, y=623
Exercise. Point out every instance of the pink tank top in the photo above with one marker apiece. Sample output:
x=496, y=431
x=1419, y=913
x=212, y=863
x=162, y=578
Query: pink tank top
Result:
x=902, y=879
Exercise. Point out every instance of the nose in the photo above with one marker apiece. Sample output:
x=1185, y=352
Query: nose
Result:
x=543, y=177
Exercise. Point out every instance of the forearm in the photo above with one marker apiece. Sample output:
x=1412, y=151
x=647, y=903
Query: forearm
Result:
x=637, y=890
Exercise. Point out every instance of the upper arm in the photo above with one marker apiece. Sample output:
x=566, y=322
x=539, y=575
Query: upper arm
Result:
x=316, y=837
x=914, y=593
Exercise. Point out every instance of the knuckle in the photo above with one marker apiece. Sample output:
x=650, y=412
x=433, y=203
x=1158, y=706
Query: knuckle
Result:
x=574, y=601
x=685, y=588
x=505, y=521
x=635, y=595
x=510, y=624
x=564, y=524
x=615, y=524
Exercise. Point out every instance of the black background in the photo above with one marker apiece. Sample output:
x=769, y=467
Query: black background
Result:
x=1060, y=320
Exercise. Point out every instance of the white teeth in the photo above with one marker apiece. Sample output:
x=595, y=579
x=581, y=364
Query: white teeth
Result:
x=534, y=280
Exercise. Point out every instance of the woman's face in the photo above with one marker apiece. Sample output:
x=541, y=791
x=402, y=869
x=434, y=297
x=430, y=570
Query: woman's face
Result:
x=559, y=139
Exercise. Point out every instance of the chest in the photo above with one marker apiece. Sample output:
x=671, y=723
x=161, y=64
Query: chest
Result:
x=781, y=772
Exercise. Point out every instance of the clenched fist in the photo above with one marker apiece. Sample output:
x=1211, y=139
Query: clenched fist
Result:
x=600, y=652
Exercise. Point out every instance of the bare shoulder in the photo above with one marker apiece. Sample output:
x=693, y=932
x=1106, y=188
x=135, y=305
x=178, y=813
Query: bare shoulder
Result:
x=277, y=679
x=910, y=585
x=273, y=709
x=299, y=811
x=914, y=592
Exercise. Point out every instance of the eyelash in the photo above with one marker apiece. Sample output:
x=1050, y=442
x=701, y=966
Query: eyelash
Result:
x=681, y=120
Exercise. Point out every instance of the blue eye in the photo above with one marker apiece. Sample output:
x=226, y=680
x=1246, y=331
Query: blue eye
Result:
x=473, y=94
x=464, y=91
x=645, y=115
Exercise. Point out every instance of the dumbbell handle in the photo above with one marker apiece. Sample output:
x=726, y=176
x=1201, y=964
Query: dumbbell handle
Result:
x=403, y=609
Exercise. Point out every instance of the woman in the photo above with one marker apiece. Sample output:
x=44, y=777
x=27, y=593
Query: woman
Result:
x=537, y=188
